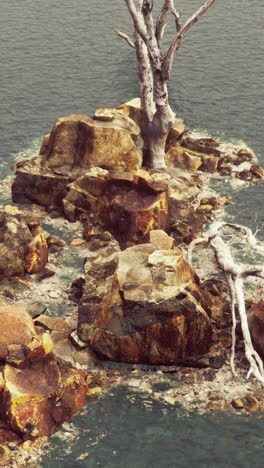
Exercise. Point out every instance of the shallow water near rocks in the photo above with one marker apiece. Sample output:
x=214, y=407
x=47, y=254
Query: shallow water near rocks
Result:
x=126, y=429
x=59, y=58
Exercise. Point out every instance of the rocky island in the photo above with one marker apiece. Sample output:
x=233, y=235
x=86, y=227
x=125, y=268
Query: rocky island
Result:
x=139, y=300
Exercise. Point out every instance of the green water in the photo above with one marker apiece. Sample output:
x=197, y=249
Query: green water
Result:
x=131, y=430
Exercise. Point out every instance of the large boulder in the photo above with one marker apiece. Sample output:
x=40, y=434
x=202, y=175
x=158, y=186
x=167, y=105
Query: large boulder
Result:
x=144, y=305
x=79, y=140
x=75, y=144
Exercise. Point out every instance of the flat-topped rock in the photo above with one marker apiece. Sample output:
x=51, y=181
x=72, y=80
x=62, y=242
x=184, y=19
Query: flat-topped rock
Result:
x=79, y=140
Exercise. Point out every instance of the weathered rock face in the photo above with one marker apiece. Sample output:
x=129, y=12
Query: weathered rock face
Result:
x=36, y=183
x=16, y=327
x=14, y=239
x=144, y=305
x=256, y=326
x=79, y=140
x=23, y=245
x=38, y=393
x=129, y=204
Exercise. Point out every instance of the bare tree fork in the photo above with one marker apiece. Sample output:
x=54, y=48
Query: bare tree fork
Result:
x=235, y=275
x=154, y=68
x=126, y=37
x=177, y=16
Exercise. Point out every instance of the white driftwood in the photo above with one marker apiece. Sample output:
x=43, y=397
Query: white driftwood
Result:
x=154, y=67
x=235, y=274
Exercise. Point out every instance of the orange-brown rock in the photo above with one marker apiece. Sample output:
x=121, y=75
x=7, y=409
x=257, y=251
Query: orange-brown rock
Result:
x=256, y=326
x=149, y=308
x=53, y=323
x=37, y=393
x=37, y=183
x=16, y=326
x=79, y=140
x=129, y=204
x=38, y=399
x=191, y=160
x=37, y=256
x=195, y=142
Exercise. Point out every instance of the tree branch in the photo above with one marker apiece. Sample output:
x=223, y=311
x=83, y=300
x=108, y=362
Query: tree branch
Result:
x=178, y=38
x=234, y=274
x=176, y=15
x=137, y=18
x=161, y=22
x=126, y=37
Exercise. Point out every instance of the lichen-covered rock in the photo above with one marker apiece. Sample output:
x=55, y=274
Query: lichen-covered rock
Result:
x=149, y=308
x=207, y=145
x=37, y=183
x=37, y=255
x=37, y=392
x=129, y=204
x=39, y=398
x=15, y=236
x=79, y=140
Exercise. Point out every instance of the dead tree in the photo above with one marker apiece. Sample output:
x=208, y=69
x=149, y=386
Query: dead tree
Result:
x=154, y=68
x=235, y=274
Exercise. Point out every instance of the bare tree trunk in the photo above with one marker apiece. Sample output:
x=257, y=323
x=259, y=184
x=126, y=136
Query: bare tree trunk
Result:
x=158, y=132
x=154, y=68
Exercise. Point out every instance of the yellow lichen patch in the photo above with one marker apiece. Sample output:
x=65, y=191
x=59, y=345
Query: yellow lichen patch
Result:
x=47, y=342
x=37, y=256
x=94, y=391
x=40, y=347
x=32, y=445
x=251, y=403
x=5, y=456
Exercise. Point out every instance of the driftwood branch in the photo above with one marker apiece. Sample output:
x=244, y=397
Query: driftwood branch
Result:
x=177, y=40
x=126, y=37
x=235, y=274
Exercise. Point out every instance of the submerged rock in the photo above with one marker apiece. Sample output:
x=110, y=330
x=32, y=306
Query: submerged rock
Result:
x=143, y=305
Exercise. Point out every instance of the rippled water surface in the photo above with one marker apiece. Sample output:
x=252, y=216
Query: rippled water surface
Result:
x=59, y=58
